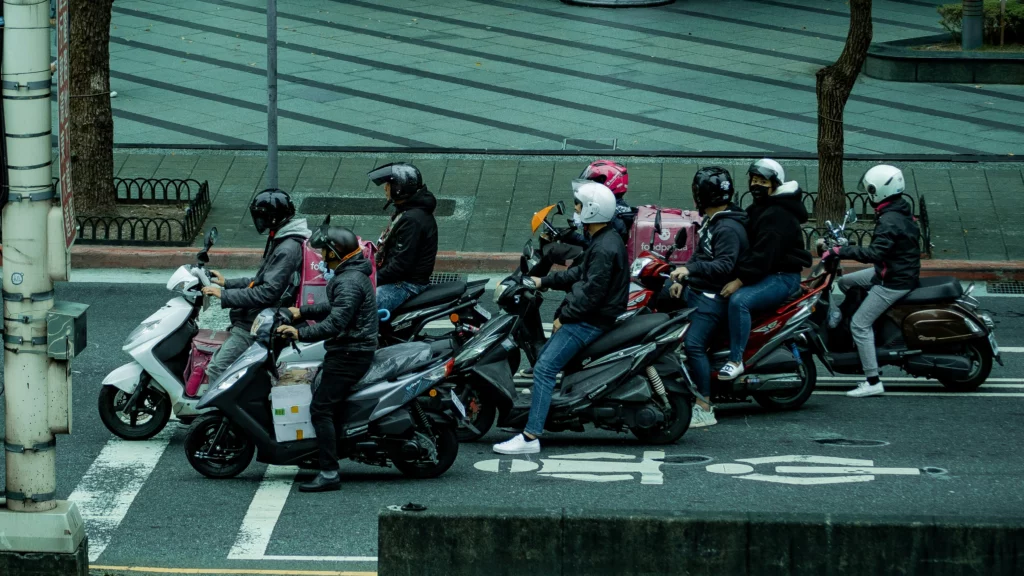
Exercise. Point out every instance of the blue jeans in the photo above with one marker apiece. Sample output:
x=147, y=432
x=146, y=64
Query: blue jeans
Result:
x=391, y=296
x=559, y=350
x=708, y=315
x=765, y=295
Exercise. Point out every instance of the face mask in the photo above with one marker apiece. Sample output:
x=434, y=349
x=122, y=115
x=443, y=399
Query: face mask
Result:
x=759, y=192
x=323, y=269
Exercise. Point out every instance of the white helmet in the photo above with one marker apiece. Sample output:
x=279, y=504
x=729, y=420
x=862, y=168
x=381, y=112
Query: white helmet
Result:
x=882, y=182
x=769, y=169
x=597, y=200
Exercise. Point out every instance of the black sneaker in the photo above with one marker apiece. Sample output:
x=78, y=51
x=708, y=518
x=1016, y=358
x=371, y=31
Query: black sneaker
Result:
x=322, y=484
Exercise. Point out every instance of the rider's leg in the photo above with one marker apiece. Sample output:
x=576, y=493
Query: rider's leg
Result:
x=878, y=300
x=231, y=350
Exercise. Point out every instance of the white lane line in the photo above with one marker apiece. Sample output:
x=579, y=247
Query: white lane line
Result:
x=932, y=394
x=114, y=479
x=263, y=513
x=1012, y=349
x=846, y=470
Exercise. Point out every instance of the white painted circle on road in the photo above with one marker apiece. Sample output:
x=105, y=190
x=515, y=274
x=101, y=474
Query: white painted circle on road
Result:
x=730, y=469
x=513, y=466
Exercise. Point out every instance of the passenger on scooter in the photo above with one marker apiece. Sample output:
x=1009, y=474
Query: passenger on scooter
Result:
x=616, y=178
x=274, y=284
x=896, y=256
x=769, y=273
x=598, y=289
x=408, y=247
x=348, y=322
x=721, y=240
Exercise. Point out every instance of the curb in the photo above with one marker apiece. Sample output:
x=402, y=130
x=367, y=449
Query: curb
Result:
x=461, y=262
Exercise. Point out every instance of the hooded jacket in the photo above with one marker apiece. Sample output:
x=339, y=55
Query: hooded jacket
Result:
x=598, y=287
x=776, y=238
x=721, y=241
x=408, y=248
x=275, y=284
x=894, y=249
x=348, y=320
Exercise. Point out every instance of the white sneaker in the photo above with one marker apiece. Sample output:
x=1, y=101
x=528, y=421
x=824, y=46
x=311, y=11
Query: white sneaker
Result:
x=701, y=418
x=518, y=444
x=730, y=371
x=864, y=390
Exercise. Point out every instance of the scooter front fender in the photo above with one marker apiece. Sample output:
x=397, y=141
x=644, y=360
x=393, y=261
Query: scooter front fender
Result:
x=126, y=377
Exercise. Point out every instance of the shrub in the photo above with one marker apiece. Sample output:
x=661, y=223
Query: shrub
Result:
x=953, y=15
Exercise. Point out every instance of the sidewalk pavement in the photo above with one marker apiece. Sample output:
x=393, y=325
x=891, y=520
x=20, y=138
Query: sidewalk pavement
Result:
x=485, y=203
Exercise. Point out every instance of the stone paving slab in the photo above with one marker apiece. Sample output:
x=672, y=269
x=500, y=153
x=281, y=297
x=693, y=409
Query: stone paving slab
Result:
x=723, y=76
x=975, y=210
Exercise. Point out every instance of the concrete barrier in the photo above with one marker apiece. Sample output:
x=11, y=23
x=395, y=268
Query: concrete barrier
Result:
x=459, y=541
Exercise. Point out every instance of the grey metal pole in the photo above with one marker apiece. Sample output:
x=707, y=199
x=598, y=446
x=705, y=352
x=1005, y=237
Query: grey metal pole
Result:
x=973, y=22
x=272, y=93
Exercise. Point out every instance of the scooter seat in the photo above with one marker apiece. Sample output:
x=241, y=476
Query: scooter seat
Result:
x=629, y=332
x=436, y=294
x=935, y=290
x=394, y=361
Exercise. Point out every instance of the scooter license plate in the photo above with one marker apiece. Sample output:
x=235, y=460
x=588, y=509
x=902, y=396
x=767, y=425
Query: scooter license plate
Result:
x=458, y=404
x=483, y=313
x=992, y=341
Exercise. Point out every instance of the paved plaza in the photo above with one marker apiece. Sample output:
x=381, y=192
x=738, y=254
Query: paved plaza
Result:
x=709, y=76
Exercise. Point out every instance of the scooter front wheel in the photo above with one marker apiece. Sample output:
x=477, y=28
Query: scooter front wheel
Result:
x=479, y=412
x=216, y=447
x=148, y=418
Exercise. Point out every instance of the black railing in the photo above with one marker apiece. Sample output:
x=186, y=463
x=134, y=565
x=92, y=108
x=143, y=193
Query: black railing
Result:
x=192, y=195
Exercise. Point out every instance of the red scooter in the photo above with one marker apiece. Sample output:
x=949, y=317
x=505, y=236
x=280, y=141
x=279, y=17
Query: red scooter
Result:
x=780, y=373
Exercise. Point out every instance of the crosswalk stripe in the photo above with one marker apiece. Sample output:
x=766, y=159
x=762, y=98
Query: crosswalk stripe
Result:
x=240, y=571
x=114, y=479
x=264, y=510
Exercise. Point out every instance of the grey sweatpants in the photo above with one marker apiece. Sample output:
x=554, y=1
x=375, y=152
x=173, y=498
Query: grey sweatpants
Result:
x=878, y=300
x=233, y=348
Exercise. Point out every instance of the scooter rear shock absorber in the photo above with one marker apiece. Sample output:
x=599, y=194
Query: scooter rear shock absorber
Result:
x=796, y=352
x=659, y=387
x=421, y=417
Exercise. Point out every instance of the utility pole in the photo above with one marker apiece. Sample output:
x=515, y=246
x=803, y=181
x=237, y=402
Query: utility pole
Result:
x=41, y=534
x=272, y=94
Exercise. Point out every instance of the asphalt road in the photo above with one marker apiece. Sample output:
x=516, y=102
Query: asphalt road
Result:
x=935, y=453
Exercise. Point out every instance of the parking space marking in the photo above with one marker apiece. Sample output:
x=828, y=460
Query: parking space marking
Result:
x=112, y=482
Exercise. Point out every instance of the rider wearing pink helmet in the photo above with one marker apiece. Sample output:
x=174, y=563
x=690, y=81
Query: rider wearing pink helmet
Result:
x=616, y=178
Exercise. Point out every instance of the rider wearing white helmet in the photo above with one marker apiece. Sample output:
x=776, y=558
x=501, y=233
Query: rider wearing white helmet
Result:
x=598, y=289
x=896, y=256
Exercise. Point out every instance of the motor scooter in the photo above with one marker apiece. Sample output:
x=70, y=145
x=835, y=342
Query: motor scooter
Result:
x=385, y=421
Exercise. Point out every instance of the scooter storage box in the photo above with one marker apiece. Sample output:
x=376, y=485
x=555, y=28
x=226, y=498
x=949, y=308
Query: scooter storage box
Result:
x=204, y=345
x=313, y=289
x=672, y=221
x=290, y=404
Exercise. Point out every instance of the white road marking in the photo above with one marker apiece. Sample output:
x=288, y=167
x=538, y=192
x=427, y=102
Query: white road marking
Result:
x=113, y=480
x=807, y=460
x=321, y=558
x=1012, y=349
x=263, y=513
x=798, y=481
x=846, y=470
x=934, y=394
x=587, y=467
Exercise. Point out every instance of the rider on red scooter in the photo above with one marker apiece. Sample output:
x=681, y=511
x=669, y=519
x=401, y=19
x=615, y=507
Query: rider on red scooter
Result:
x=616, y=178
x=721, y=240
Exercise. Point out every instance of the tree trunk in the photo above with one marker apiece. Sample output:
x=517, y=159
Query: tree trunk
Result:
x=833, y=86
x=92, y=122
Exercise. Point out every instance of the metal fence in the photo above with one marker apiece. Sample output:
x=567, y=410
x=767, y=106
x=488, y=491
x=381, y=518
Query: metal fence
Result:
x=191, y=195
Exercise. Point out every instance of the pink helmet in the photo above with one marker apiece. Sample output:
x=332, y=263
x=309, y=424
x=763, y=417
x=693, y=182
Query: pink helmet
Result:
x=609, y=173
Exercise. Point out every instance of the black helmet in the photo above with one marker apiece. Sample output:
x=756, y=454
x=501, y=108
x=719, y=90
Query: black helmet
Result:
x=712, y=186
x=337, y=239
x=270, y=209
x=405, y=179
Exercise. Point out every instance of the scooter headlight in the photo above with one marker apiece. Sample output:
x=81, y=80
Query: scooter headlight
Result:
x=638, y=266
x=141, y=333
x=223, y=384
x=499, y=289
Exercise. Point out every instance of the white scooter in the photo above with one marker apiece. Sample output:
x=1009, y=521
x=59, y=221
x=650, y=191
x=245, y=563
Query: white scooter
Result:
x=137, y=399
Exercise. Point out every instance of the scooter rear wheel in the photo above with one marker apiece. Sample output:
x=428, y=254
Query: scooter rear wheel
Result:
x=793, y=400
x=447, y=445
x=228, y=458
x=670, y=432
x=150, y=417
x=981, y=364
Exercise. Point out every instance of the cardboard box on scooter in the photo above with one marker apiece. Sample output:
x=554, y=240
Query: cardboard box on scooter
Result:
x=290, y=404
x=293, y=431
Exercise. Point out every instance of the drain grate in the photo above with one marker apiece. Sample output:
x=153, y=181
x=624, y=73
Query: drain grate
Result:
x=1015, y=288
x=355, y=206
x=442, y=277
x=852, y=443
x=581, y=144
x=685, y=459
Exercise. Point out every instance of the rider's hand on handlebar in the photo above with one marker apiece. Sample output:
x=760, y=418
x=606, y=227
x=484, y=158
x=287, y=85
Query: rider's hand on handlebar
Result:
x=296, y=314
x=676, y=290
x=218, y=278
x=679, y=273
x=830, y=253
x=289, y=332
x=821, y=245
x=211, y=291
x=536, y=281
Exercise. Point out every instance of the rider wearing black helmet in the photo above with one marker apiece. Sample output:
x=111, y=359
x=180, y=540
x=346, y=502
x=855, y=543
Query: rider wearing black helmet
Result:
x=721, y=240
x=408, y=247
x=348, y=323
x=276, y=282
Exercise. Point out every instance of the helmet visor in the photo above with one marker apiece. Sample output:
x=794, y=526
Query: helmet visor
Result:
x=318, y=241
x=763, y=171
x=861, y=187
x=381, y=175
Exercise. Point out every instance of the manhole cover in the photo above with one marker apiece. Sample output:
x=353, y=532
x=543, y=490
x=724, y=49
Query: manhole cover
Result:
x=685, y=459
x=1016, y=288
x=353, y=206
x=852, y=443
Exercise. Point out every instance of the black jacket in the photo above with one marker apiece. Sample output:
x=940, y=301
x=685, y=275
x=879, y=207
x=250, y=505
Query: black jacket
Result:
x=408, y=248
x=721, y=241
x=894, y=249
x=348, y=319
x=598, y=287
x=776, y=238
x=275, y=283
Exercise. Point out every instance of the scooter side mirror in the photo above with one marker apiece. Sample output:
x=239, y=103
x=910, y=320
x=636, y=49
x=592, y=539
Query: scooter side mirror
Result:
x=681, y=238
x=851, y=216
x=523, y=266
x=560, y=207
x=657, y=228
x=211, y=237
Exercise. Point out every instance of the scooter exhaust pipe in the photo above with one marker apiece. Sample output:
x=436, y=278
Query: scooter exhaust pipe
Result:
x=933, y=365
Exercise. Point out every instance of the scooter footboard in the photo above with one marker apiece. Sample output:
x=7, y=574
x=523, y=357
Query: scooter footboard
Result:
x=126, y=377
